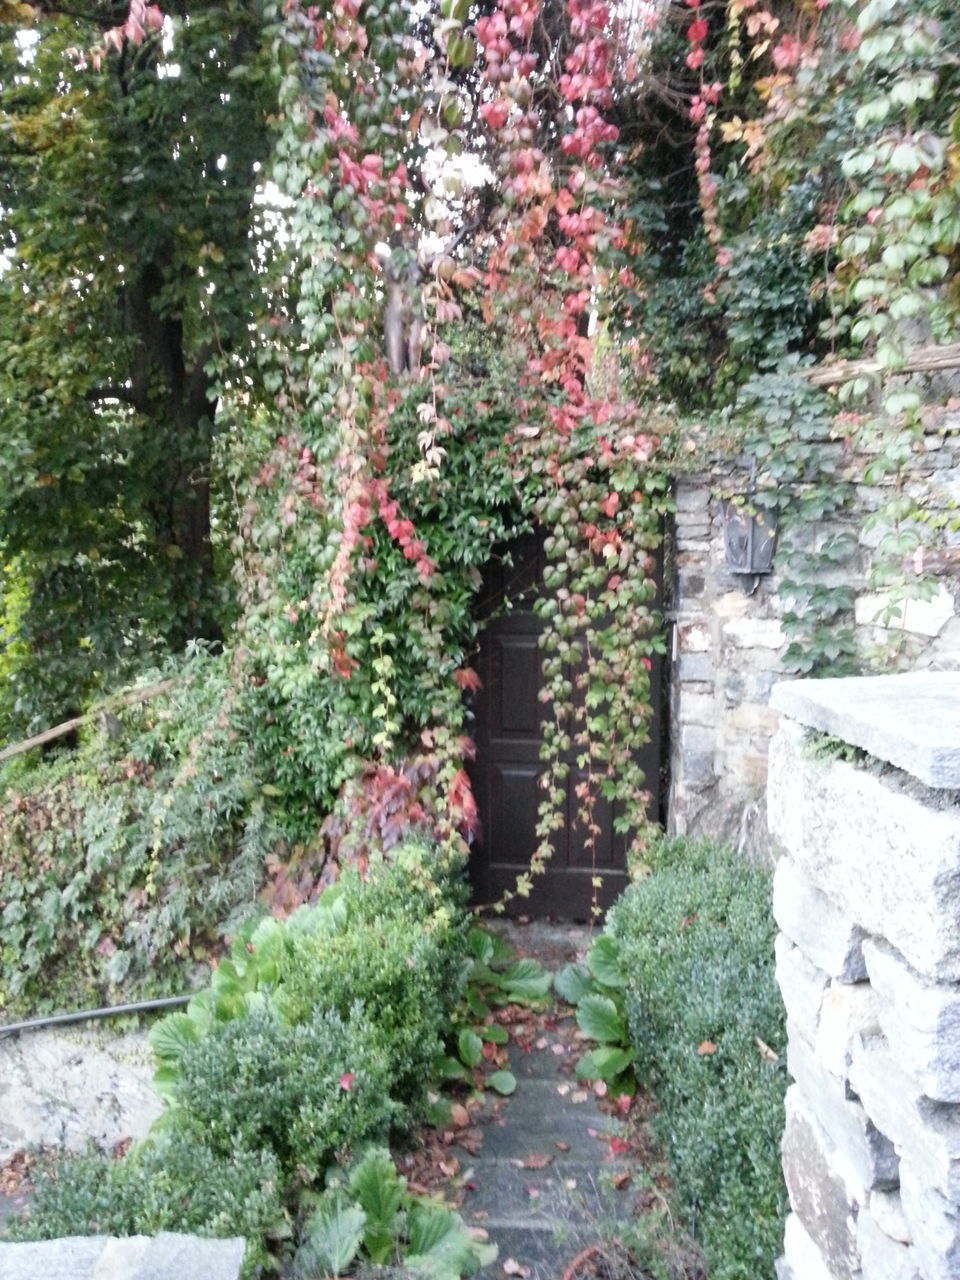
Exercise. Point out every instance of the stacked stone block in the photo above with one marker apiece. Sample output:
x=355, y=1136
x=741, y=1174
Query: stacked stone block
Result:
x=867, y=900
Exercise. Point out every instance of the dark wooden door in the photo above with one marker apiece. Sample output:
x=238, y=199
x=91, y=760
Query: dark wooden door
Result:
x=507, y=767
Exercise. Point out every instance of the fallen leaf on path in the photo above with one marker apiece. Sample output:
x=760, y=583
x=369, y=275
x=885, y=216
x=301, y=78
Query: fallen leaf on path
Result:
x=557, y=1049
x=579, y=1095
x=563, y=1090
x=459, y=1115
x=562, y=1146
x=472, y=1140
x=536, y=1161
x=513, y=1268
x=542, y=1042
x=766, y=1053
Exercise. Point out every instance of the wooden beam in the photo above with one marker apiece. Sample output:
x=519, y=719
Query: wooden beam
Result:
x=61, y=730
x=928, y=359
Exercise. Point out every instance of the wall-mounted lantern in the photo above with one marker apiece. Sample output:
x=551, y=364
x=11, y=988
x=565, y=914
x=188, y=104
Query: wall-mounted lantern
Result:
x=749, y=535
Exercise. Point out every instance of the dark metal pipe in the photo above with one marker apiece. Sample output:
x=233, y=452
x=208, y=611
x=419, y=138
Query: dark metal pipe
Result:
x=58, y=1019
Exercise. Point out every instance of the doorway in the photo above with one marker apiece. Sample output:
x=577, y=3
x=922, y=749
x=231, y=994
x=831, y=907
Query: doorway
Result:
x=507, y=768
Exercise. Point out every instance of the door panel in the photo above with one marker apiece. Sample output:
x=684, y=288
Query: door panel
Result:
x=507, y=767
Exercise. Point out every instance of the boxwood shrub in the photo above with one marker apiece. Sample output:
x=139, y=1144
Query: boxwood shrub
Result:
x=696, y=942
x=173, y=1182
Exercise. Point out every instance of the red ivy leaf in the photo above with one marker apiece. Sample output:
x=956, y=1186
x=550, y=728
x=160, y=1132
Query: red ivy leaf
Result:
x=467, y=678
x=697, y=31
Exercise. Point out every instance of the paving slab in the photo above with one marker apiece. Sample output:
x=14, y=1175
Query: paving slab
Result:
x=909, y=720
x=541, y=1217
x=72, y=1258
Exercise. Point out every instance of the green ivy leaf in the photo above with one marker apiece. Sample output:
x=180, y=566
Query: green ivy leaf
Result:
x=440, y=1246
x=605, y=1063
x=380, y=1192
x=603, y=961
x=495, y=1034
x=332, y=1236
x=525, y=980
x=172, y=1036
x=573, y=982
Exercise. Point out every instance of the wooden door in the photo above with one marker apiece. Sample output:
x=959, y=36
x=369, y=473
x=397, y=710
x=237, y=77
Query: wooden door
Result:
x=507, y=768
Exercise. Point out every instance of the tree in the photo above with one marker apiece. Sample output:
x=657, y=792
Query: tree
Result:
x=129, y=223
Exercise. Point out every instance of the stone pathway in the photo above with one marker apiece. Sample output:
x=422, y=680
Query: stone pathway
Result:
x=546, y=1179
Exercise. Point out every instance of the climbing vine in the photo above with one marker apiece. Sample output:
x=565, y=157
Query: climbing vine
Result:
x=382, y=494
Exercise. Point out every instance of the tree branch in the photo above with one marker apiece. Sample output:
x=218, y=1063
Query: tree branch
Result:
x=68, y=726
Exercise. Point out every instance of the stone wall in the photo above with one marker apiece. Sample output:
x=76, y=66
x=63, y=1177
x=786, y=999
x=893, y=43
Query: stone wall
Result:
x=867, y=900
x=727, y=646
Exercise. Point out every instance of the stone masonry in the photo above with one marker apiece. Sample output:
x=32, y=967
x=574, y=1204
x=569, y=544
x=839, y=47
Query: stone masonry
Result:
x=727, y=646
x=867, y=900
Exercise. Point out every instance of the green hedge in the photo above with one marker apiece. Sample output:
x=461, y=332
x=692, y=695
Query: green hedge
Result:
x=696, y=943
x=316, y=1036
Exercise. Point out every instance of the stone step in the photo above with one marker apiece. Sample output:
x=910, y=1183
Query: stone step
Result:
x=545, y=1251
x=168, y=1256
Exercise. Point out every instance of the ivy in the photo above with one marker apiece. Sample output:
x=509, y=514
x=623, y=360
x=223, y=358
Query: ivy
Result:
x=358, y=595
x=803, y=480
x=627, y=258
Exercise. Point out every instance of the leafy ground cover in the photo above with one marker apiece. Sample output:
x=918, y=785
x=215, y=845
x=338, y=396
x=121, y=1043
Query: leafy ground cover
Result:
x=125, y=862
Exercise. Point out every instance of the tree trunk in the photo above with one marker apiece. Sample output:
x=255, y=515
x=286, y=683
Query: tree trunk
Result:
x=179, y=402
